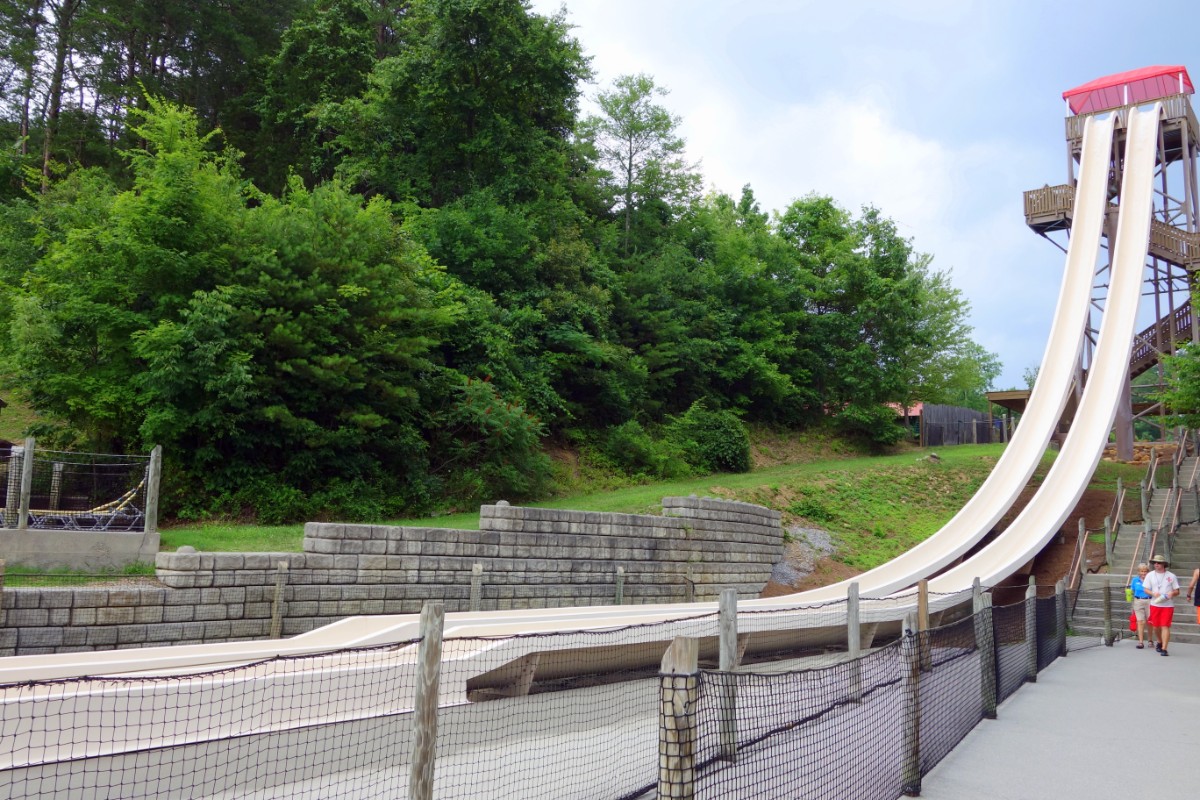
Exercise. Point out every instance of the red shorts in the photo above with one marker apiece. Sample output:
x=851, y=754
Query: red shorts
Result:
x=1161, y=616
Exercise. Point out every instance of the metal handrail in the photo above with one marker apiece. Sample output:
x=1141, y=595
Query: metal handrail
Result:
x=1155, y=531
x=1119, y=509
x=1137, y=548
x=1075, y=572
x=1192, y=478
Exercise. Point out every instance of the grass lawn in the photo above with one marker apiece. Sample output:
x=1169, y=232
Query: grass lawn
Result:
x=875, y=507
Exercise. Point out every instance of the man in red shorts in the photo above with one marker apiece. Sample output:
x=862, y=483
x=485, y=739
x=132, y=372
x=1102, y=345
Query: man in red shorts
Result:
x=1163, y=587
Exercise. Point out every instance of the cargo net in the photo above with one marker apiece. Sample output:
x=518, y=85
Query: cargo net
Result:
x=78, y=491
x=576, y=714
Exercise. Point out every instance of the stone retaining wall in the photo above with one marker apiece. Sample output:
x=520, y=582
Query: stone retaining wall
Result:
x=529, y=558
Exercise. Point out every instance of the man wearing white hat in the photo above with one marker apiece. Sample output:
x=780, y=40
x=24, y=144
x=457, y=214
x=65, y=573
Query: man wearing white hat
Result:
x=1163, y=587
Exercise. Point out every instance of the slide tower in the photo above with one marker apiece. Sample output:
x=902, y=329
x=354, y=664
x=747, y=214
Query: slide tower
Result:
x=1173, y=255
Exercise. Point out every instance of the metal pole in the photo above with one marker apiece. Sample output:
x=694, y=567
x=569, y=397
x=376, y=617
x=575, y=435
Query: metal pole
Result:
x=425, y=705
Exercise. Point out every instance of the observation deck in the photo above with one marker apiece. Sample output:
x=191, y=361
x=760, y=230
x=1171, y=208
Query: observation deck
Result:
x=1050, y=209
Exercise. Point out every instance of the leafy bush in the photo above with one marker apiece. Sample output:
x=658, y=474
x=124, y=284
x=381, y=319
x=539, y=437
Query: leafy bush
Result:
x=877, y=424
x=715, y=441
x=632, y=450
x=493, y=447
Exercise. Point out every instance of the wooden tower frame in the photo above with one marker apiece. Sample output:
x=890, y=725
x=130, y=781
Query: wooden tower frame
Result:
x=1174, y=249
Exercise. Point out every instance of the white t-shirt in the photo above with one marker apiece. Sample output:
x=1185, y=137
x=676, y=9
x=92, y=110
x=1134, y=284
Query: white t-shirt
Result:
x=1161, y=583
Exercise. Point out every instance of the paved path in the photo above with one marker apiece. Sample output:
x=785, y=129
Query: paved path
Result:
x=1070, y=734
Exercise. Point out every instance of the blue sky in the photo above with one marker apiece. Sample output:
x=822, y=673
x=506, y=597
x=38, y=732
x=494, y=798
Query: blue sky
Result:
x=939, y=113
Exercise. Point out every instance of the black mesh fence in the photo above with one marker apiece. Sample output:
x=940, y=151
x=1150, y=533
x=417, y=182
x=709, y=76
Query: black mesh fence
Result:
x=1012, y=649
x=951, y=696
x=77, y=491
x=828, y=732
x=576, y=713
x=337, y=725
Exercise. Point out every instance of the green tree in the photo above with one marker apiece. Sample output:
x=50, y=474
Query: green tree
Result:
x=1181, y=394
x=482, y=94
x=639, y=148
x=325, y=57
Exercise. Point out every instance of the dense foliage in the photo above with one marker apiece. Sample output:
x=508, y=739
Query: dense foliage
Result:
x=348, y=257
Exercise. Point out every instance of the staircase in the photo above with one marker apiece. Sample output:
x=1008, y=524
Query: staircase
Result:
x=1088, y=618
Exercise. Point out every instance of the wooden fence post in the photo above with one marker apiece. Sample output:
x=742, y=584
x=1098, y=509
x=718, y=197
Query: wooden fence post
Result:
x=12, y=497
x=281, y=572
x=923, y=623
x=1108, y=616
x=679, y=694
x=985, y=643
x=1031, y=627
x=910, y=764
x=153, y=480
x=854, y=642
x=728, y=665
x=425, y=705
x=476, y=586
x=1108, y=542
x=1060, y=609
x=26, y=484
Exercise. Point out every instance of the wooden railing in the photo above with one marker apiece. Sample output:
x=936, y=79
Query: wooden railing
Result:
x=1050, y=201
x=1166, y=241
x=1174, y=107
x=1175, y=327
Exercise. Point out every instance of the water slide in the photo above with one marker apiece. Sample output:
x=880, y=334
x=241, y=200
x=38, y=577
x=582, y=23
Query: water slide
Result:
x=1009, y=552
x=1081, y=451
x=340, y=685
x=1046, y=402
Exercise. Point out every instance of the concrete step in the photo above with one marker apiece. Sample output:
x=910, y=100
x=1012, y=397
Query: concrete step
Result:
x=1088, y=616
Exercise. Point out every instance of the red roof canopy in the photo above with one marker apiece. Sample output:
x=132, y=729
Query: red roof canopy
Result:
x=1128, y=88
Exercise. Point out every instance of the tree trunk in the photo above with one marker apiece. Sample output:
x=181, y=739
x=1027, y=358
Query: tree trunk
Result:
x=29, y=67
x=64, y=18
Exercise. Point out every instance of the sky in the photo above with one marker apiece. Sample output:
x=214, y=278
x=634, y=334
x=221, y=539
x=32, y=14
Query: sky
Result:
x=940, y=114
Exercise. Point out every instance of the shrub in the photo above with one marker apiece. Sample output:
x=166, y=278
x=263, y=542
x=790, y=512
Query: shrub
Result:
x=877, y=424
x=715, y=441
x=631, y=449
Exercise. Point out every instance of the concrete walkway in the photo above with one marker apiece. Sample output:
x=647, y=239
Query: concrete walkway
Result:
x=1072, y=734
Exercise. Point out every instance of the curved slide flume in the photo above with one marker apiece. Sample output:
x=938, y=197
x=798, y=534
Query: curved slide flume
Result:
x=1081, y=451
x=1046, y=401
x=996, y=495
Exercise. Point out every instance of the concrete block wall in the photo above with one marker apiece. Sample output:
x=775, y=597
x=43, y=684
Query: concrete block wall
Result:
x=530, y=558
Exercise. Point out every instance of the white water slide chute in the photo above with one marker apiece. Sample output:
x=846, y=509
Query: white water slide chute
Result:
x=65, y=730
x=890, y=586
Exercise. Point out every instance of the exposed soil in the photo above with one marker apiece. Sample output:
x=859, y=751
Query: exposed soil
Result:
x=1049, y=566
